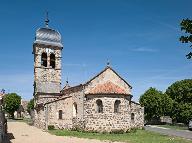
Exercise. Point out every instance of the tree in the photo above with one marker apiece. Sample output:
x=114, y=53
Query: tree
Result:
x=166, y=104
x=12, y=101
x=186, y=26
x=30, y=105
x=181, y=94
x=156, y=103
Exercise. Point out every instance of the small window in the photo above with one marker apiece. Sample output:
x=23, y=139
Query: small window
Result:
x=44, y=59
x=60, y=114
x=132, y=116
x=74, y=109
x=99, y=106
x=52, y=60
x=116, y=106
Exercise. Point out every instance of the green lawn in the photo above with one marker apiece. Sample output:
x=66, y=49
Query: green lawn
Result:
x=140, y=136
x=174, y=127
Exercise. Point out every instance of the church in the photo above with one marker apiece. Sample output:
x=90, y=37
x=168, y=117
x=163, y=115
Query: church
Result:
x=102, y=104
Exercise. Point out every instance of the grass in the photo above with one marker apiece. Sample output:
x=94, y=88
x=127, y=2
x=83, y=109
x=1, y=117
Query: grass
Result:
x=174, y=127
x=140, y=136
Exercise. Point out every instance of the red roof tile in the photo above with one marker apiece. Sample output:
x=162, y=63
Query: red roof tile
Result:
x=107, y=88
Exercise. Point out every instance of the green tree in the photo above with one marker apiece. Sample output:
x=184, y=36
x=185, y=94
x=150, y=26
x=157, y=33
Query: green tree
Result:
x=186, y=26
x=181, y=94
x=12, y=101
x=156, y=103
x=30, y=105
x=166, y=104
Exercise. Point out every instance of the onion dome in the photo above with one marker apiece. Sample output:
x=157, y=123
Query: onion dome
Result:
x=48, y=36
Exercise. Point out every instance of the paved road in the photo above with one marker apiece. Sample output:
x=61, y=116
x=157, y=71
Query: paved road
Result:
x=20, y=132
x=171, y=132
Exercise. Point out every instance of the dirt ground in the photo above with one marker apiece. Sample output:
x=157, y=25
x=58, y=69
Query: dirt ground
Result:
x=20, y=132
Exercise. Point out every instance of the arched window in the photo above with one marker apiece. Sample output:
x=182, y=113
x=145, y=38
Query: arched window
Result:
x=52, y=60
x=116, y=106
x=74, y=109
x=60, y=114
x=44, y=59
x=132, y=116
x=99, y=106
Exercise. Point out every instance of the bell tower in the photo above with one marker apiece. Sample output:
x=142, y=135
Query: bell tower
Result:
x=47, y=49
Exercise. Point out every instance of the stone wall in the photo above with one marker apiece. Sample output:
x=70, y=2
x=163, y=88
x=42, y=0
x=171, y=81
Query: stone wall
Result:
x=39, y=113
x=78, y=99
x=47, y=79
x=39, y=120
x=53, y=113
x=71, y=118
x=138, y=112
x=87, y=117
x=108, y=120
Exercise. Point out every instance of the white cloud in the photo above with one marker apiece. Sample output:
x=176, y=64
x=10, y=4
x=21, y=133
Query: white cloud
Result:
x=144, y=49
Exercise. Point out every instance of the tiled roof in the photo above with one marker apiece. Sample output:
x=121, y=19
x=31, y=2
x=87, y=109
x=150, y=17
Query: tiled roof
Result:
x=71, y=89
x=66, y=86
x=107, y=88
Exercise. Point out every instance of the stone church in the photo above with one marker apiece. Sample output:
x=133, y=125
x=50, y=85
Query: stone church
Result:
x=103, y=104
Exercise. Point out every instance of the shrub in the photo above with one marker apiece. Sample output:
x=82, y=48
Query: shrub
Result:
x=51, y=127
x=117, y=131
x=132, y=130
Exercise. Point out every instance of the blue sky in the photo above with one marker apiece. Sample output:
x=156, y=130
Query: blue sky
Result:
x=140, y=38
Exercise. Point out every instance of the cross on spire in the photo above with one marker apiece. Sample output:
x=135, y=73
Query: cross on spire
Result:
x=47, y=20
x=108, y=63
x=67, y=81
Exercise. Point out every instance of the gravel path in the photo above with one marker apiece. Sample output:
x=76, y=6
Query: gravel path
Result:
x=170, y=132
x=20, y=132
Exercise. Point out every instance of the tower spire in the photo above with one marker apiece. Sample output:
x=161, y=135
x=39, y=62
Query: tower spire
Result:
x=46, y=20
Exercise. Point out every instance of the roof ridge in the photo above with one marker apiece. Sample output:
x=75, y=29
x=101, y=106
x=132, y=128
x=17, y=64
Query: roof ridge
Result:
x=108, y=67
x=70, y=88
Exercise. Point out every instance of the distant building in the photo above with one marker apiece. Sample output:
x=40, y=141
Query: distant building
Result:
x=22, y=111
x=103, y=103
x=1, y=98
x=2, y=94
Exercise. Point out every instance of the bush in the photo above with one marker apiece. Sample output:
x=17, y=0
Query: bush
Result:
x=76, y=128
x=132, y=130
x=117, y=131
x=51, y=127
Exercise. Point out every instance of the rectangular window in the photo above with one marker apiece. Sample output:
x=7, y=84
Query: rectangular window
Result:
x=60, y=114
